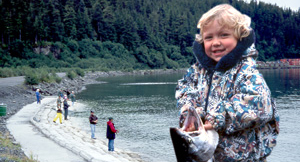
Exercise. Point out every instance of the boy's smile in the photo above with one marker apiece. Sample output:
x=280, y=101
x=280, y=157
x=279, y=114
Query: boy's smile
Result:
x=218, y=40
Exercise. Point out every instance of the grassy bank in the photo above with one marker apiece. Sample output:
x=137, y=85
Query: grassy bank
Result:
x=10, y=149
x=34, y=76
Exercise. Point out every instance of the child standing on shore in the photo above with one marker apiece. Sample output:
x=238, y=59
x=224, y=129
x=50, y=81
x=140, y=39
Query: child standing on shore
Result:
x=58, y=115
x=227, y=90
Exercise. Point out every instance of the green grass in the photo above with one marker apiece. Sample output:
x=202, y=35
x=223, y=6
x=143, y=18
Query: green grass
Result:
x=6, y=142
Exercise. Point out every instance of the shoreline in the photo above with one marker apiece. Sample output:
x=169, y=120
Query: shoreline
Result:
x=18, y=95
x=67, y=135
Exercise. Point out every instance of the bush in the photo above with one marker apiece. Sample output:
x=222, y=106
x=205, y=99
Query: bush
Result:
x=55, y=77
x=79, y=72
x=71, y=74
x=44, y=77
x=6, y=72
x=58, y=79
x=31, y=78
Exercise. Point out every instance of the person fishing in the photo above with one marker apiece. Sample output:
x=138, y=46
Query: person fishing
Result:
x=226, y=89
x=111, y=134
x=93, y=121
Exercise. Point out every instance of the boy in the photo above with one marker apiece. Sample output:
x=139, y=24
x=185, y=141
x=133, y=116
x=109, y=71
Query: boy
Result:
x=227, y=90
x=58, y=115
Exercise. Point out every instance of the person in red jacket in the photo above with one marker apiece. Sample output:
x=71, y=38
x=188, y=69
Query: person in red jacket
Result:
x=111, y=134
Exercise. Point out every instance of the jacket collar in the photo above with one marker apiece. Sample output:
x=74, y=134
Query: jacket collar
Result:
x=226, y=62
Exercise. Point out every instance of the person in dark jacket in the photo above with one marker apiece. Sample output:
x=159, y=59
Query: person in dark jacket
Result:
x=93, y=122
x=66, y=106
x=111, y=134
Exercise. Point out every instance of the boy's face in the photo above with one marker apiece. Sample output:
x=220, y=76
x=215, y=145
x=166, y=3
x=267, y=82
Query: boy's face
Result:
x=218, y=40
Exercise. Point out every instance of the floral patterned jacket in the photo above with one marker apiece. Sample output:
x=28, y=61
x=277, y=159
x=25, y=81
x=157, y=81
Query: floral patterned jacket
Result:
x=233, y=96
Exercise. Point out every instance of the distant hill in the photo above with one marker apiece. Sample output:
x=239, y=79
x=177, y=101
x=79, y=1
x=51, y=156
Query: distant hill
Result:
x=128, y=34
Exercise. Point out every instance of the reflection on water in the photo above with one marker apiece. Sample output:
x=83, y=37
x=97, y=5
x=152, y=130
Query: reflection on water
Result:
x=144, y=108
x=283, y=81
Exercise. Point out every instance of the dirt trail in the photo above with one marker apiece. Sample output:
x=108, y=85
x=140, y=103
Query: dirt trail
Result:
x=11, y=81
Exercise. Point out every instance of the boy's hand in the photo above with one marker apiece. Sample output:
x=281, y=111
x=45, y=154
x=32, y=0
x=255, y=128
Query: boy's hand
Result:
x=208, y=126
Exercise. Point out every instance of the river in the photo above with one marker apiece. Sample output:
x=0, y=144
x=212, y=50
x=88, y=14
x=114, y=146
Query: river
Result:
x=144, y=107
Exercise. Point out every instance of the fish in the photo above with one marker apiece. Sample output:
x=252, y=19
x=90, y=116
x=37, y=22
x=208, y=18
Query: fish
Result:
x=191, y=142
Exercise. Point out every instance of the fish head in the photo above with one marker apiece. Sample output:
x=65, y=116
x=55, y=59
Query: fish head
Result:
x=192, y=142
x=192, y=122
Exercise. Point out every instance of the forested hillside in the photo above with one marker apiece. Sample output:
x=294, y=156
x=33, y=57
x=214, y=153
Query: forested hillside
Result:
x=128, y=34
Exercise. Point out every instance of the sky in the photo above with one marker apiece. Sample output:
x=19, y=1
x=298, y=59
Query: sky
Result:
x=293, y=4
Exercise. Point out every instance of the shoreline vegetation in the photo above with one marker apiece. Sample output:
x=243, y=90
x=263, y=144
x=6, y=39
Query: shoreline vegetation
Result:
x=34, y=76
x=17, y=96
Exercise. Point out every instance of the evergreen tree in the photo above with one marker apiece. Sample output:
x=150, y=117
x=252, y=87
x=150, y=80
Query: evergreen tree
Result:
x=149, y=30
x=56, y=25
x=69, y=20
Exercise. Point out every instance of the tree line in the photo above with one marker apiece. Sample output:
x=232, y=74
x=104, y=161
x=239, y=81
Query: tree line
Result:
x=128, y=34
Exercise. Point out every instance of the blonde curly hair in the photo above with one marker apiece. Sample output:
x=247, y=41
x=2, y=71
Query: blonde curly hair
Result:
x=227, y=16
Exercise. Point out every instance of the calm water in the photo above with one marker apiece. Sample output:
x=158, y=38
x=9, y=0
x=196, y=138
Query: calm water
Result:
x=144, y=107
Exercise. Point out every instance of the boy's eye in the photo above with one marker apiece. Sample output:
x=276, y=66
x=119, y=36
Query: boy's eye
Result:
x=207, y=37
x=224, y=35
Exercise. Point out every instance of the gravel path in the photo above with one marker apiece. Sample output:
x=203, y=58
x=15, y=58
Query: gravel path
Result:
x=34, y=143
x=15, y=95
x=12, y=81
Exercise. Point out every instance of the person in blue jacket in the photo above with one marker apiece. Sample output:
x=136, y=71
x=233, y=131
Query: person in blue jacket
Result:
x=38, y=96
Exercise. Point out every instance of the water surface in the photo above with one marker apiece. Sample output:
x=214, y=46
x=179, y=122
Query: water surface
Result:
x=144, y=107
